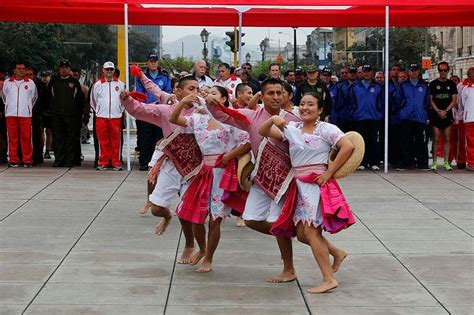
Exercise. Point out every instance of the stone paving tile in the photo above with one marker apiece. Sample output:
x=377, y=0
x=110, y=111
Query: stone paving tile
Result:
x=120, y=258
x=25, y=273
x=50, y=208
x=8, y=206
x=37, y=309
x=100, y=293
x=11, y=309
x=17, y=293
x=454, y=295
x=452, y=234
x=36, y=257
x=235, y=310
x=398, y=310
x=461, y=310
x=430, y=247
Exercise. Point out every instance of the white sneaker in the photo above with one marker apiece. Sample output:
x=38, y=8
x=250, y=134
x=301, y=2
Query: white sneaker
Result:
x=361, y=168
x=375, y=168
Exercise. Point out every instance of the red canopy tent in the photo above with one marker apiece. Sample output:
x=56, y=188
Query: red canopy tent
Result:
x=289, y=13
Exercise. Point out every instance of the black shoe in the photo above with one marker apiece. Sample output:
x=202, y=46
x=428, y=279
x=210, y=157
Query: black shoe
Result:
x=47, y=156
x=69, y=165
x=26, y=165
x=58, y=164
x=461, y=166
x=143, y=168
x=12, y=164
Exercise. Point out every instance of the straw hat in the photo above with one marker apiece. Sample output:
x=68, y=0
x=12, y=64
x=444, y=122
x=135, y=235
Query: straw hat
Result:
x=244, y=169
x=354, y=160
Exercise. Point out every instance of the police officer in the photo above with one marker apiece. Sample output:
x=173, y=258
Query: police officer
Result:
x=149, y=134
x=344, y=106
x=368, y=98
x=312, y=84
x=325, y=76
x=66, y=109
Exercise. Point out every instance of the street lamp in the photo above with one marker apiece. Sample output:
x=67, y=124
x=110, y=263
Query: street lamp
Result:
x=204, y=38
x=247, y=57
x=263, y=47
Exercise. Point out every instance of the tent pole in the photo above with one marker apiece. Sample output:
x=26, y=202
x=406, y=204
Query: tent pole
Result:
x=239, y=60
x=387, y=77
x=127, y=83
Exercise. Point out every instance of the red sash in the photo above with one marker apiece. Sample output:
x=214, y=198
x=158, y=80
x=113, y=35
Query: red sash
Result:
x=273, y=172
x=183, y=151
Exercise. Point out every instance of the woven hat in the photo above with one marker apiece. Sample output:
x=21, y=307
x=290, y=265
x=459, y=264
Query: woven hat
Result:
x=354, y=160
x=244, y=169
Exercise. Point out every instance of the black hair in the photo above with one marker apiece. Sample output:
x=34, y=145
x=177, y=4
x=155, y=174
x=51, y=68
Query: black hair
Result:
x=317, y=97
x=240, y=88
x=183, y=80
x=262, y=77
x=270, y=81
x=273, y=64
x=117, y=72
x=224, y=93
x=287, y=72
x=287, y=87
x=247, y=64
x=174, y=80
x=443, y=63
x=225, y=65
x=396, y=65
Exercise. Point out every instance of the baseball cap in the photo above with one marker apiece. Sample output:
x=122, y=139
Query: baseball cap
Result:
x=352, y=69
x=299, y=71
x=108, y=65
x=64, y=63
x=153, y=56
x=326, y=71
x=311, y=68
x=367, y=67
x=45, y=74
x=414, y=67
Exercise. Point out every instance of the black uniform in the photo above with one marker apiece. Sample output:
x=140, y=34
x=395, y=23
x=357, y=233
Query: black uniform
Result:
x=66, y=109
x=442, y=93
x=37, y=122
x=320, y=89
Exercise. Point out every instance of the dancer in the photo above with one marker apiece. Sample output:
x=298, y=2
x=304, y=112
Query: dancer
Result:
x=261, y=210
x=220, y=145
x=169, y=182
x=310, y=141
x=286, y=102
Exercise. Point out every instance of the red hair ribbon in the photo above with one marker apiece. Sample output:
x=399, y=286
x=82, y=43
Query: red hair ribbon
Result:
x=135, y=71
x=468, y=83
x=139, y=96
x=233, y=113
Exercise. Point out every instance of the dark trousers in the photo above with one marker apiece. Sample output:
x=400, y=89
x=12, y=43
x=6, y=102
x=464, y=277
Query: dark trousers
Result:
x=370, y=130
x=3, y=140
x=77, y=140
x=149, y=134
x=413, y=144
x=394, y=149
x=345, y=125
x=96, y=142
x=37, y=128
x=64, y=129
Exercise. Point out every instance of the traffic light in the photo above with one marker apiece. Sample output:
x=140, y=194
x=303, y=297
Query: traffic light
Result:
x=233, y=40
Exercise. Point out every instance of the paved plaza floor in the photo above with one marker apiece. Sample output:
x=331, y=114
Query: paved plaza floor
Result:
x=72, y=242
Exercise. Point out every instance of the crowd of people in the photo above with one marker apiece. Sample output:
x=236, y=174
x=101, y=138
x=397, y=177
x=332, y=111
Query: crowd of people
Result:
x=42, y=115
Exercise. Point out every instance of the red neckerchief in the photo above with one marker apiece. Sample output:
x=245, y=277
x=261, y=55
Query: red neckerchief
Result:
x=103, y=80
x=12, y=78
x=232, y=77
x=467, y=83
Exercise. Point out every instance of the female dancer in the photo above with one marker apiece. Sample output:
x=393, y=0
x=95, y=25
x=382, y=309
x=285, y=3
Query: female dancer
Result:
x=220, y=144
x=286, y=103
x=310, y=141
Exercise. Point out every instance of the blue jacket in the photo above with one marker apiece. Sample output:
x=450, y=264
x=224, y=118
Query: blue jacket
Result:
x=334, y=92
x=394, y=110
x=344, y=107
x=162, y=80
x=413, y=101
x=368, y=101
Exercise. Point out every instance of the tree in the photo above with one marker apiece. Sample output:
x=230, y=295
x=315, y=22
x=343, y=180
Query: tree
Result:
x=177, y=64
x=140, y=45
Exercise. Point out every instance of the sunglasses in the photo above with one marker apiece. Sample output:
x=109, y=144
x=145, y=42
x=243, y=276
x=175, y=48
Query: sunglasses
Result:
x=110, y=69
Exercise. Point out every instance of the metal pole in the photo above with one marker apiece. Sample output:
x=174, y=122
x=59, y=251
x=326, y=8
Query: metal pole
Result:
x=387, y=40
x=295, y=50
x=240, y=39
x=127, y=83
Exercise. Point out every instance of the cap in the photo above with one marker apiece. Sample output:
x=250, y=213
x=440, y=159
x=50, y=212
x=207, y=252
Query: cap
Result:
x=352, y=69
x=153, y=56
x=326, y=71
x=367, y=67
x=64, y=63
x=45, y=74
x=311, y=68
x=299, y=71
x=108, y=65
x=414, y=67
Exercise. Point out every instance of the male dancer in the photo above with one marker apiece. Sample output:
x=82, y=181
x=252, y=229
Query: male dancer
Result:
x=169, y=181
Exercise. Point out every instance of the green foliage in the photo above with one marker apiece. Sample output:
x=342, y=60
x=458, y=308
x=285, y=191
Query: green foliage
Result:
x=177, y=64
x=140, y=45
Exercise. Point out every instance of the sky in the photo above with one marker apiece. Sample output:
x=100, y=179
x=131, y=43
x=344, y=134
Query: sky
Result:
x=253, y=35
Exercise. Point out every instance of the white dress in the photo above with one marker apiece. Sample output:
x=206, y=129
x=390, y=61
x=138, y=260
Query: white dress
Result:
x=215, y=142
x=310, y=149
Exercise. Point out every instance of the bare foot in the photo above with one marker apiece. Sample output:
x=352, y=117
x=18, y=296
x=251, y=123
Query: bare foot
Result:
x=323, y=287
x=197, y=257
x=338, y=259
x=206, y=266
x=161, y=227
x=144, y=209
x=239, y=222
x=186, y=256
x=284, y=276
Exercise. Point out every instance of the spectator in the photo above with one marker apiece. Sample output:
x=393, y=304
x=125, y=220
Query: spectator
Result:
x=46, y=133
x=334, y=79
x=402, y=76
x=262, y=77
x=344, y=106
x=344, y=73
x=19, y=97
x=394, y=149
x=208, y=69
x=412, y=99
x=360, y=73
x=200, y=74
x=238, y=73
x=82, y=131
x=227, y=80
x=467, y=105
x=148, y=134
x=183, y=74
x=289, y=77
x=254, y=83
x=456, y=79
x=367, y=96
x=38, y=110
x=3, y=124
x=274, y=71
x=325, y=76
x=312, y=84
x=443, y=95
x=458, y=134
x=105, y=100
x=299, y=77
x=66, y=108
x=244, y=95
x=379, y=77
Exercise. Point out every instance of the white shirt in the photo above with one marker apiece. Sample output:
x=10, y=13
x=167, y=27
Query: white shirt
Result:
x=230, y=84
x=467, y=103
x=19, y=97
x=105, y=98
